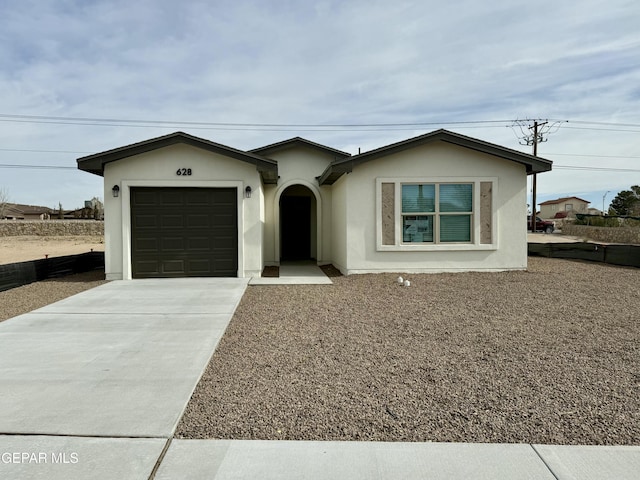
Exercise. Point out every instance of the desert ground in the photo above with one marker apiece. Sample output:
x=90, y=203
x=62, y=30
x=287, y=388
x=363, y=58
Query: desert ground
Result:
x=26, y=248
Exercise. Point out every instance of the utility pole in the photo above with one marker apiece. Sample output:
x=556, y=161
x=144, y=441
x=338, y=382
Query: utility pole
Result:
x=535, y=175
x=540, y=132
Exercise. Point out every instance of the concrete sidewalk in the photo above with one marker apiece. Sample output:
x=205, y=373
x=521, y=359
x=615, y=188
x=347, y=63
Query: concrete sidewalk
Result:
x=238, y=459
x=94, y=386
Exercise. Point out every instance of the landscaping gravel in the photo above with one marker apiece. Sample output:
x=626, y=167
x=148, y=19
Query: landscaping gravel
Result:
x=26, y=298
x=550, y=355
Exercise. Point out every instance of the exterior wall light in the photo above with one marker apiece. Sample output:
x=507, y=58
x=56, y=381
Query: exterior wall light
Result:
x=116, y=191
x=247, y=192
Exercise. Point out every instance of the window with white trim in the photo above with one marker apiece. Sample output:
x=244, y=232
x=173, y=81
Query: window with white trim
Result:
x=437, y=213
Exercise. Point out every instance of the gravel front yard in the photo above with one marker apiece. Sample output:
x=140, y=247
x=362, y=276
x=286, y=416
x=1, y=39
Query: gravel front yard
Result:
x=551, y=355
x=26, y=298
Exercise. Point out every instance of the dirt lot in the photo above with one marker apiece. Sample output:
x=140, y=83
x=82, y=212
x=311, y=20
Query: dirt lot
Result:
x=36, y=295
x=25, y=248
x=551, y=355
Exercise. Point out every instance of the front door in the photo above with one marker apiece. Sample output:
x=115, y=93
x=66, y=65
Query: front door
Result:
x=295, y=228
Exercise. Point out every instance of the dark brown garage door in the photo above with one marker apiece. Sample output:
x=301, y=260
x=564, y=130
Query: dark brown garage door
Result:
x=184, y=232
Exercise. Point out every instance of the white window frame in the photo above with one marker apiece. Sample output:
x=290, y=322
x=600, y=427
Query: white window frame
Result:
x=447, y=246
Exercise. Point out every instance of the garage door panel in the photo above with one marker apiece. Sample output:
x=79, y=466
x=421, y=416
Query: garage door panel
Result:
x=168, y=198
x=173, y=244
x=179, y=232
x=172, y=221
x=198, y=198
x=226, y=242
x=199, y=221
x=145, y=221
x=224, y=266
x=202, y=244
x=151, y=267
x=144, y=198
x=175, y=266
x=201, y=266
x=146, y=245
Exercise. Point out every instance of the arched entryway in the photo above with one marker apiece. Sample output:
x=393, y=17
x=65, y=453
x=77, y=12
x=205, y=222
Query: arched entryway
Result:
x=298, y=224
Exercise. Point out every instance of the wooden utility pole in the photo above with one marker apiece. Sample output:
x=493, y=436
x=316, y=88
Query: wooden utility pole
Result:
x=534, y=210
x=535, y=175
x=539, y=131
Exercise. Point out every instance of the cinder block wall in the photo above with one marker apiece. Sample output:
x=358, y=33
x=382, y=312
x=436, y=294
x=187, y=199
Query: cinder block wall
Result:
x=50, y=228
x=626, y=235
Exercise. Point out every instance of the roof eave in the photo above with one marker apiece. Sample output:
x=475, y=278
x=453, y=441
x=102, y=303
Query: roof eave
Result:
x=333, y=172
x=532, y=164
x=95, y=163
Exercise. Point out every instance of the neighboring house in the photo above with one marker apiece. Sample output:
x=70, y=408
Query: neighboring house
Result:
x=16, y=211
x=565, y=206
x=180, y=205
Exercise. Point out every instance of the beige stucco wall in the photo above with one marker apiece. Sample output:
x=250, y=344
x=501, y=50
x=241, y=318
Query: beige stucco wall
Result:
x=339, y=224
x=299, y=165
x=158, y=169
x=434, y=162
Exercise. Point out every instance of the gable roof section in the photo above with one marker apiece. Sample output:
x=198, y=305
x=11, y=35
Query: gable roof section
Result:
x=338, y=168
x=563, y=199
x=18, y=210
x=95, y=163
x=296, y=141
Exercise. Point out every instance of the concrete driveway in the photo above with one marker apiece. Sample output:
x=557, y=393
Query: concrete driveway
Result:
x=112, y=363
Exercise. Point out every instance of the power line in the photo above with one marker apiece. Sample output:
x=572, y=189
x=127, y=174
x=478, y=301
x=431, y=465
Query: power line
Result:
x=599, y=169
x=589, y=155
x=39, y=151
x=53, y=119
x=53, y=167
x=602, y=129
x=585, y=122
x=311, y=127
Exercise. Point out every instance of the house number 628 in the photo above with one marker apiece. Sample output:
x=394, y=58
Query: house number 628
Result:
x=183, y=171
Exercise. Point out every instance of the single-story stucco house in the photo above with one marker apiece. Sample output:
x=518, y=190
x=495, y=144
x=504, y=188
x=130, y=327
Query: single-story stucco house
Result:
x=179, y=205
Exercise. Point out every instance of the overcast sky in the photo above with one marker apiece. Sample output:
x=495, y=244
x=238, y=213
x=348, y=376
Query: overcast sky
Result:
x=424, y=63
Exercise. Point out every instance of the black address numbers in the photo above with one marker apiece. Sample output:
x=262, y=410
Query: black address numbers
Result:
x=183, y=172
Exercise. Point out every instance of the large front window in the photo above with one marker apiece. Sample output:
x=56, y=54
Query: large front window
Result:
x=437, y=212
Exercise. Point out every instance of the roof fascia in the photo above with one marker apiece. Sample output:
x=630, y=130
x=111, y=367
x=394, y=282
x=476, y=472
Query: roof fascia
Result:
x=532, y=163
x=95, y=163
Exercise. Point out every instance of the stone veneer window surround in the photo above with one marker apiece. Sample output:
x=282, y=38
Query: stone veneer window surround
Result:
x=388, y=214
x=390, y=217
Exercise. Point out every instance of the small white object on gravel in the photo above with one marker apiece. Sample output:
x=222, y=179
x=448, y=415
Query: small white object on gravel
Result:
x=400, y=280
x=407, y=283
